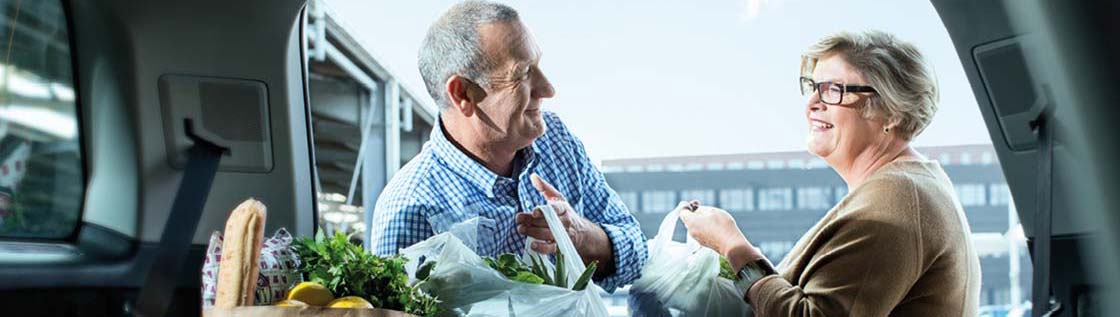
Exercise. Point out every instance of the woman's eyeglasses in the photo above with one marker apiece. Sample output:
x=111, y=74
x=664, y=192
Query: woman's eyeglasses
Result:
x=829, y=92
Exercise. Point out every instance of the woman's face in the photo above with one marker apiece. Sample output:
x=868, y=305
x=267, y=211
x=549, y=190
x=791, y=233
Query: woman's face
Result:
x=839, y=133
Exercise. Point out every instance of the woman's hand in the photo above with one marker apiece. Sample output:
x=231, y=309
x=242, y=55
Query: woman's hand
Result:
x=716, y=229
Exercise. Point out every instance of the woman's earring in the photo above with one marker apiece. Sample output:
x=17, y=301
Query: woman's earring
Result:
x=886, y=130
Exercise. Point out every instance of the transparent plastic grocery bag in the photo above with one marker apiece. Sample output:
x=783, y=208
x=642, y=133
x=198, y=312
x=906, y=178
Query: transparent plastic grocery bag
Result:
x=546, y=300
x=684, y=277
x=460, y=278
x=468, y=286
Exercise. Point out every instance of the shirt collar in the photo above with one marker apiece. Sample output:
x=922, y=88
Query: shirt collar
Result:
x=473, y=171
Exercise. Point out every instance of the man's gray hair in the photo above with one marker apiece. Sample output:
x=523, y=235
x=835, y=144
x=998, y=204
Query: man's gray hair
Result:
x=906, y=85
x=452, y=46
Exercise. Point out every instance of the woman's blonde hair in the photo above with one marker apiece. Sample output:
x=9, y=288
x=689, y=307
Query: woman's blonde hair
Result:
x=907, y=89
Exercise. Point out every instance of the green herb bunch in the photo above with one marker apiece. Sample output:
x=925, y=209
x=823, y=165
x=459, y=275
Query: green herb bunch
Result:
x=348, y=270
x=725, y=269
x=537, y=273
x=508, y=265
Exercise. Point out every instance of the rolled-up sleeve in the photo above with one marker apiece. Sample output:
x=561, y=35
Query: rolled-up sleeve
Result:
x=600, y=204
x=629, y=248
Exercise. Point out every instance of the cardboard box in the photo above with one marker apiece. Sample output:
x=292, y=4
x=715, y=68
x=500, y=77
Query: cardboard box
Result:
x=275, y=311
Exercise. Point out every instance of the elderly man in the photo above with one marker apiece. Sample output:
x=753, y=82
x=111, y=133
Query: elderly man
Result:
x=494, y=154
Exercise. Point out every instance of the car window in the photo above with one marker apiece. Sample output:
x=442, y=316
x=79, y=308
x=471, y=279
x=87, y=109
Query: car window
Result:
x=40, y=159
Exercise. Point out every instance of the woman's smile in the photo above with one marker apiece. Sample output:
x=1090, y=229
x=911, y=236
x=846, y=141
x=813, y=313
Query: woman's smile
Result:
x=817, y=125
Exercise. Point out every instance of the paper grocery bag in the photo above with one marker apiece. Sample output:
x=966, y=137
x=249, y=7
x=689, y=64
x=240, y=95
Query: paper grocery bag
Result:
x=274, y=311
x=278, y=269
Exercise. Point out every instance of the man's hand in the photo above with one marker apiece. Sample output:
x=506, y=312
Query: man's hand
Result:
x=588, y=237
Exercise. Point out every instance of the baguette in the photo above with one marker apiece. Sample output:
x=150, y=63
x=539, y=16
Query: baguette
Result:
x=241, y=253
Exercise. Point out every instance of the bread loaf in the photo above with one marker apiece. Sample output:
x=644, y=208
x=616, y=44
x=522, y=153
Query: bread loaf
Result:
x=241, y=252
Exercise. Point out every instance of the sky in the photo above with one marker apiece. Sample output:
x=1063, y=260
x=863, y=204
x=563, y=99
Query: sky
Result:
x=669, y=78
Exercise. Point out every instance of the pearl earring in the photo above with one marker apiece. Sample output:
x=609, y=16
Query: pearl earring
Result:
x=886, y=130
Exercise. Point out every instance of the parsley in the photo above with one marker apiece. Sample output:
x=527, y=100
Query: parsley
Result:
x=348, y=270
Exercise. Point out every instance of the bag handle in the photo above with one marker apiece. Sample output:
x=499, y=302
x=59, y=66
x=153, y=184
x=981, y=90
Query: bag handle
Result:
x=564, y=244
x=668, y=228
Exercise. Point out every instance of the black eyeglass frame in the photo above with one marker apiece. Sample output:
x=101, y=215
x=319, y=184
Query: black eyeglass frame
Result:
x=844, y=88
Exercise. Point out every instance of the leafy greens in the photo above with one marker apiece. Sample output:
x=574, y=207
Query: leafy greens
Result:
x=348, y=270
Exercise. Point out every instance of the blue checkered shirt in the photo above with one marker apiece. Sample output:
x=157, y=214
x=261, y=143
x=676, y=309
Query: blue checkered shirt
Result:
x=442, y=186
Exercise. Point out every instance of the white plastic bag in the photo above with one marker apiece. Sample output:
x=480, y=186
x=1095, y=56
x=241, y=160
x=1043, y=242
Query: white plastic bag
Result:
x=685, y=276
x=467, y=285
x=460, y=277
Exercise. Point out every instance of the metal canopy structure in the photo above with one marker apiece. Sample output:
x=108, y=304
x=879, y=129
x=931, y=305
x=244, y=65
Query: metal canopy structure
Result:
x=365, y=123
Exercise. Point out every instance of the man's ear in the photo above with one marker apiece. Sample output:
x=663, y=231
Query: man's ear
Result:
x=464, y=94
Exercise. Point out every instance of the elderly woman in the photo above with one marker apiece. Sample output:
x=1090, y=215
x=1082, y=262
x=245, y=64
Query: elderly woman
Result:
x=898, y=244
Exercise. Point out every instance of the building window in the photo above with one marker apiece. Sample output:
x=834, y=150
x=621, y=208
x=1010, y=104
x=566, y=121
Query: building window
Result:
x=705, y=196
x=756, y=165
x=813, y=198
x=775, y=199
x=797, y=163
x=41, y=165
x=945, y=159
x=841, y=192
x=966, y=158
x=972, y=194
x=658, y=201
x=630, y=199
x=775, y=164
x=737, y=199
x=775, y=250
x=1000, y=195
x=816, y=163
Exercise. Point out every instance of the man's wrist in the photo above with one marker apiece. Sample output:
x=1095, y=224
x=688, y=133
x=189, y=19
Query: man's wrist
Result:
x=600, y=249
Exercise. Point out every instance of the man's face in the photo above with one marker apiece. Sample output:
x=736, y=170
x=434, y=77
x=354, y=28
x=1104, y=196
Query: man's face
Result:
x=511, y=111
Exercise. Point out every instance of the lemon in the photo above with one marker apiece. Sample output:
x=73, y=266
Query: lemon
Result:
x=350, y=302
x=311, y=293
x=291, y=303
